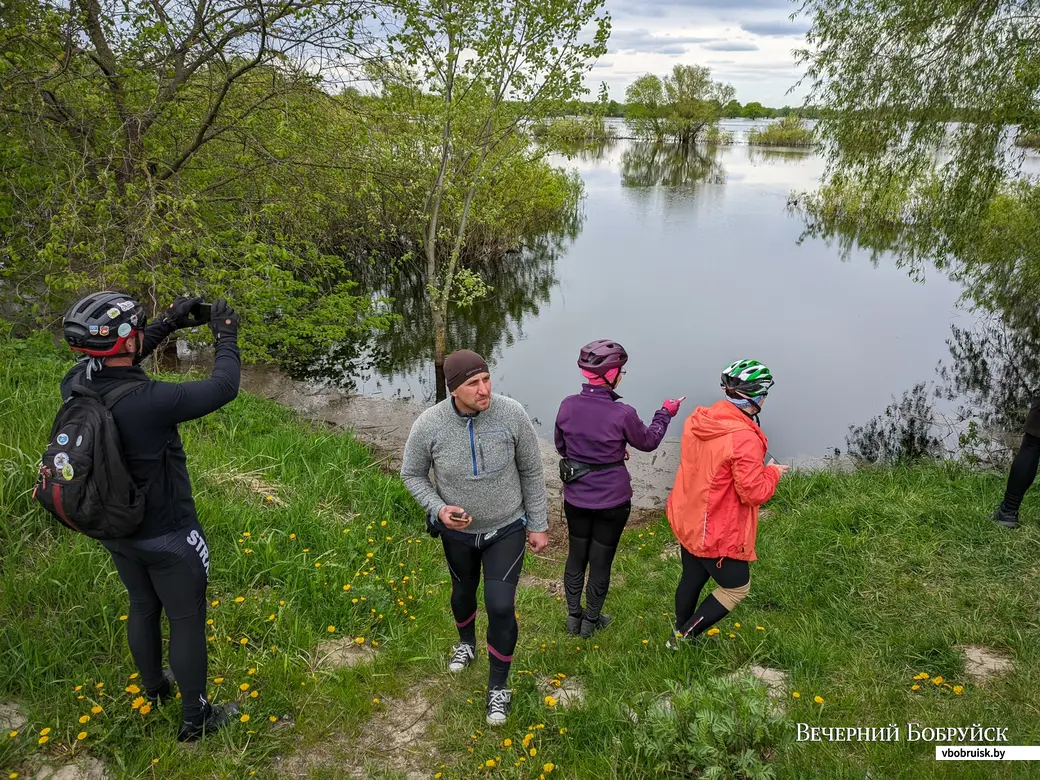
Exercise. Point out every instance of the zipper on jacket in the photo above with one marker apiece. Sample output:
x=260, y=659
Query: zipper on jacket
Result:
x=483, y=463
x=704, y=535
x=472, y=445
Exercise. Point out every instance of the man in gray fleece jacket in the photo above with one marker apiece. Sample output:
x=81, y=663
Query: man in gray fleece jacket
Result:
x=488, y=495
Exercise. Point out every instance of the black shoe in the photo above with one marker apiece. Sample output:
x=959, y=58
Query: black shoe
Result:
x=212, y=719
x=589, y=626
x=499, y=703
x=574, y=623
x=164, y=693
x=1005, y=518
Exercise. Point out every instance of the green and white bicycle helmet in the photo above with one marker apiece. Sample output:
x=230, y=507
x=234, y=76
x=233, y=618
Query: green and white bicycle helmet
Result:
x=748, y=378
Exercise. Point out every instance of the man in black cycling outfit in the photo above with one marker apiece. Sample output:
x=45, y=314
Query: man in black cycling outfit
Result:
x=164, y=563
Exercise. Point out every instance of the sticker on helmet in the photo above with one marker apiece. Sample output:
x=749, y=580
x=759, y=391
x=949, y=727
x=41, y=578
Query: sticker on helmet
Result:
x=124, y=330
x=79, y=440
x=67, y=471
x=63, y=439
x=61, y=460
x=133, y=319
x=93, y=330
x=103, y=330
x=125, y=305
x=113, y=313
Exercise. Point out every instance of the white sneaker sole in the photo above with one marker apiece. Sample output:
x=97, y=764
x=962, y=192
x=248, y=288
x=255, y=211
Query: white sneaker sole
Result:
x=496, y=721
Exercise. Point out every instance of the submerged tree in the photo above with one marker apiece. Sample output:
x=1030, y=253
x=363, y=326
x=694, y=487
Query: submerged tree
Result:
x=682, y=106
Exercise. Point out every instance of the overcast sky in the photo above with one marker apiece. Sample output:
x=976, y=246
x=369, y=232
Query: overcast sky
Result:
x=747, y=43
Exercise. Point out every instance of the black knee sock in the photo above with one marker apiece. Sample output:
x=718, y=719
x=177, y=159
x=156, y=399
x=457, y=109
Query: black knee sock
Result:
x=1023, y=472
x=708, y=614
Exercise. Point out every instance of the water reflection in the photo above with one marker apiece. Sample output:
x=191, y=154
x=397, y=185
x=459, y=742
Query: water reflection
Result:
x=521, y=282
x=670, y=165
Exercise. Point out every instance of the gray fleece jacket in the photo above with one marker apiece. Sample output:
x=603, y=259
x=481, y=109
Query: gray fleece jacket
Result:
x=488, y=463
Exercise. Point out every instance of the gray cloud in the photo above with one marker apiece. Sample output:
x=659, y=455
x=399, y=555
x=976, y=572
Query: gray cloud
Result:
x=643, y=41
x=730, y=46
x=776, y=28
x=660, y=8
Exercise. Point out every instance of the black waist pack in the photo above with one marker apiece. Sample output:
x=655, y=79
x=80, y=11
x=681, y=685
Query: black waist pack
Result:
x=571, y=470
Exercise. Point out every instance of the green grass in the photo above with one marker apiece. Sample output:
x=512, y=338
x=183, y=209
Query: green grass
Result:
x=789, y=131
x=863, y=580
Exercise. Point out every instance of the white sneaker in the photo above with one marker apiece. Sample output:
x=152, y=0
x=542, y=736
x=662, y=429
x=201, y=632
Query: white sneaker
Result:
x=499, y=702
x=461, y=655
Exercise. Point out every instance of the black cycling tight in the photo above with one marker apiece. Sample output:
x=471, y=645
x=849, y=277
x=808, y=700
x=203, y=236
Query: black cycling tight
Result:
x=502, y=556
x=594, y=538
x=1023, y=472
x=167, y=573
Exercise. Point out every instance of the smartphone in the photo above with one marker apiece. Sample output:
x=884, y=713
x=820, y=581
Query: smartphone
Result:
x=202, y=312
x=460, y=518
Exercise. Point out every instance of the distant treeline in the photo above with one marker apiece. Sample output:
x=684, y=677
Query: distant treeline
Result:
x=734, y=109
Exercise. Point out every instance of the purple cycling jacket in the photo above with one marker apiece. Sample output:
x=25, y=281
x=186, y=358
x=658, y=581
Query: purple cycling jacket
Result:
x=593, y=427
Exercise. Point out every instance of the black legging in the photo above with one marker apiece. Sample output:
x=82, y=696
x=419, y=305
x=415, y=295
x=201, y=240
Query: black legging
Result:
x=1023, y=472
x=169, y=572
x=502, y=556
x=690, y=619
x=594, y=538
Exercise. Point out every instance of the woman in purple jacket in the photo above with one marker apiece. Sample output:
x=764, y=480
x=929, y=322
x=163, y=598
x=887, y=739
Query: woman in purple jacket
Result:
x=593, y=430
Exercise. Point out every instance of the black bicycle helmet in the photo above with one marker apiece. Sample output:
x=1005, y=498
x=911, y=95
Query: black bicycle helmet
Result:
x=99, y=324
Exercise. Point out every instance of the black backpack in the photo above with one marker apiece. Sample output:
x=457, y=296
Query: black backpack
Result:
x=84, y=480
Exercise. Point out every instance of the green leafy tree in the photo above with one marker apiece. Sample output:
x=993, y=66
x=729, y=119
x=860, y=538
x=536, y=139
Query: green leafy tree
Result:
x=754, y=110
x=732, y=109
x=477, y=70
x=645, y=107
x=901, y=174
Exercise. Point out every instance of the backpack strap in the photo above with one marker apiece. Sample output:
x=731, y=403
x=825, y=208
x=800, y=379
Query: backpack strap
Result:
x=109, y=397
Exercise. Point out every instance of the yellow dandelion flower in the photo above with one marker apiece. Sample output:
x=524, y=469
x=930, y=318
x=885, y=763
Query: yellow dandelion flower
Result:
x=317, y=565
x=254, y=694
x=375, y=700
x=239, y=599
x=96, y=710
x=507, y=743
x=732, y=635
x=360, y=640
x=42, y=740
x=922, y=676
x=527, y=739
x=45, y=732
x=214, y=603
x=244, y=719
x=796, y=695
x=81, y=736
x=123, y=617
x=437, y=776
x=958, y=689
x=548, y=767
x=646, y=641
x=209, y=622
x=145, y=709
x=14, y=776
x=13, y=734
x=347, y=586
x=218, y=680
x=353, y=601
x=937, y=680
x=534, y=752
x=84, y=718
x=80, y=697
x=915, y=687
x=281, y=603
x=155, y=761
x=490, y=762
x=100, y=685
x=245, y=534
x=759, y=628
x=563, y=730
x=244, y=687
x=369, y=555
x=550, y=701
x=818, y=699
x=273, y=719
x=132, y=689
x=712, y=631
x=78, y=688
x=736, y=625
x=292, y=536
x=243, y=641
x=331, y=629
x=306, y=549
x=271, y=617
x=252, y=670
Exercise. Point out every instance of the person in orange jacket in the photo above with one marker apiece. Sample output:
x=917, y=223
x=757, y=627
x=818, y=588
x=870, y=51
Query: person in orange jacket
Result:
x=713, y=507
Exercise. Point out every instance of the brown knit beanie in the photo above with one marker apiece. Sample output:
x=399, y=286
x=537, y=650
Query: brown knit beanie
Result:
x=460, y=366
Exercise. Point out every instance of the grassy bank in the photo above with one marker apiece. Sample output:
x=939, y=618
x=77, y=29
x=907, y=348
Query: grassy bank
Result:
x=863, y=582
x=789, y=131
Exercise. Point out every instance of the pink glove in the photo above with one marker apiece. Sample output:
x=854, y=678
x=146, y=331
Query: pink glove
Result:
x=672, y=405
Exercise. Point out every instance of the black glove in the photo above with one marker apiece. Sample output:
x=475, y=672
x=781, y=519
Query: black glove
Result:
x=223, y=321
x=178, y=316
